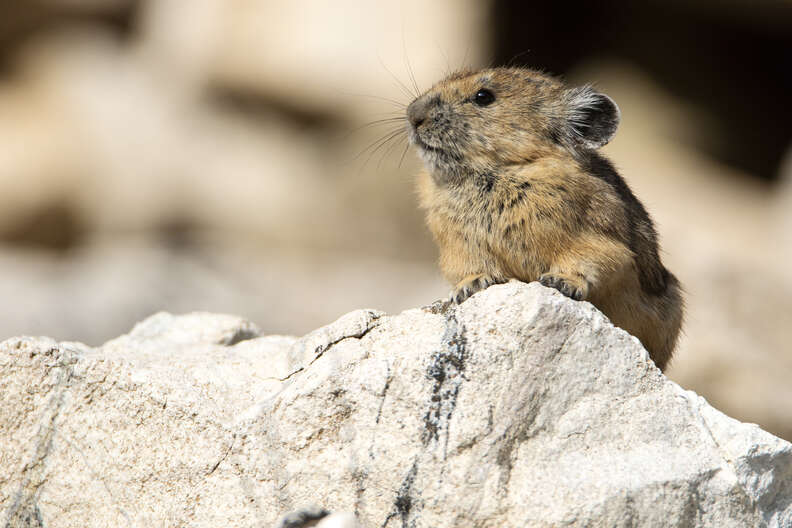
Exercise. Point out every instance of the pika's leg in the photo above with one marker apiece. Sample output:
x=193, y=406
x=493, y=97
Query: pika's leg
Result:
x=663, y=322
x=573, y=286
x=586, y=266
x=472, y=284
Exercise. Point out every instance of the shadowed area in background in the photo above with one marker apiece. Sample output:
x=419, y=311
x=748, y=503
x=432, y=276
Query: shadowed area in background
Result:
x=728, y=59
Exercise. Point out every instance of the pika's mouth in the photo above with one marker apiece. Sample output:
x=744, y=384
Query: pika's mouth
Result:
x=421, y=144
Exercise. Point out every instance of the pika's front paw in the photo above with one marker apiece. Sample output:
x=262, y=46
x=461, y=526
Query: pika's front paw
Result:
x=470, y=285
x=573, y=286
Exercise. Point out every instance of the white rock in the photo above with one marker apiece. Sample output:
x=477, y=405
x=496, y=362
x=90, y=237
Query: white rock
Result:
x=319, y=518
x=518, y=408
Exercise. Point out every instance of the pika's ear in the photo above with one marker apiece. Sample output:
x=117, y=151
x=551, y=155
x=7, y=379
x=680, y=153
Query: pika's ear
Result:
x=592, y=117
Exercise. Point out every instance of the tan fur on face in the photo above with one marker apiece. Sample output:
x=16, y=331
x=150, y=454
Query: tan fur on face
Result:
x=514, y=191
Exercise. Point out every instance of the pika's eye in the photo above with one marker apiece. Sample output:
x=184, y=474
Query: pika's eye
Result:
x=483, y=97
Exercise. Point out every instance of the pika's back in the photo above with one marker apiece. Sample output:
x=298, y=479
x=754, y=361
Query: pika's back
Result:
x=515, y=188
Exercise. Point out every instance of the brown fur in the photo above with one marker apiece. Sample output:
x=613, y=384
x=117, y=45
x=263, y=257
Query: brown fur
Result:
x=516, y=190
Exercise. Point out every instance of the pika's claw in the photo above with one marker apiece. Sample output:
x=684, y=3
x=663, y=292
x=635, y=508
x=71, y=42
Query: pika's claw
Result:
x=470, y=285
x=574, y=287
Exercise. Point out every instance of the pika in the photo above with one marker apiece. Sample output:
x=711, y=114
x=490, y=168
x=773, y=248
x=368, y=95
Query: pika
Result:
x=516, y=189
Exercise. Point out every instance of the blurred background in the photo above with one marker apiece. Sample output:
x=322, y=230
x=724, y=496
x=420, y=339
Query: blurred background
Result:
x=208, y=155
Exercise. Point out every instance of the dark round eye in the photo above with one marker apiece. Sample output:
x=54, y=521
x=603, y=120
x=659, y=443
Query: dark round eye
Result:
x=484, y=97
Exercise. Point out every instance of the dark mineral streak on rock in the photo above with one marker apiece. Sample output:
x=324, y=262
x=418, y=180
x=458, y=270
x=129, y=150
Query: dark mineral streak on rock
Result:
x=404, y=501
x=25, y=515
x=446, y=368
x=304, y=518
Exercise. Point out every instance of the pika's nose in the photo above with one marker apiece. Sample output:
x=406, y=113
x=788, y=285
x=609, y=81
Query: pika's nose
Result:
x=417, y=111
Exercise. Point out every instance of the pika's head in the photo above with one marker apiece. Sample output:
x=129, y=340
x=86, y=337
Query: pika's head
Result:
x=473, y=121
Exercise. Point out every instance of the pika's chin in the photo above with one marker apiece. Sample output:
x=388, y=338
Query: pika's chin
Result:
x=435, y=158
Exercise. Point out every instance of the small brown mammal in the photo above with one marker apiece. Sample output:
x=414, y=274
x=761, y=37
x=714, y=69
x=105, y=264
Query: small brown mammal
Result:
x=515, y=189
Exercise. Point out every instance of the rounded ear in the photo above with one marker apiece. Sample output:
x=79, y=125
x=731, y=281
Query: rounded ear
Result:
x=592, y=118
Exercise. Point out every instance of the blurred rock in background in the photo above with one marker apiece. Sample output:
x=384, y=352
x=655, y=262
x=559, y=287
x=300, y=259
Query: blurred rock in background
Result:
x=209, y=155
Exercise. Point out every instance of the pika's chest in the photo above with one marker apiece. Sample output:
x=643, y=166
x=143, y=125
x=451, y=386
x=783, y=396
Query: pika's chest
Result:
x=531, y=216
x=464, y=211
x=488, y=211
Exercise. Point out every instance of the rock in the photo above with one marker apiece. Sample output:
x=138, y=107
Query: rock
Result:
x=319, y=518
x=518, y=408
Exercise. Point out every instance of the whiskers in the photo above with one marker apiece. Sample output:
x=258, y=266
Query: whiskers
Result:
x=395, y=124
x=393, y=137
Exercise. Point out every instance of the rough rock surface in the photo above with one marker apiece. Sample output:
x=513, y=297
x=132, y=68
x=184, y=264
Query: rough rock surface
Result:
x=518, y=408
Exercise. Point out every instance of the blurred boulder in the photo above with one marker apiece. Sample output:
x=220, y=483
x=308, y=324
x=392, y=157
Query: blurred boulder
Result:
x=319, y=56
